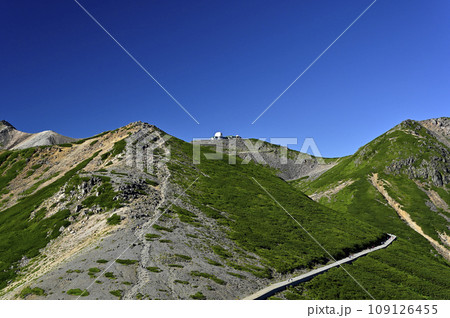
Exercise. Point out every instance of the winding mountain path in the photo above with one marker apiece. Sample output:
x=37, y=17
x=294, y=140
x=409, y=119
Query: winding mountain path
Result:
x=272, y=289
x=143, y=275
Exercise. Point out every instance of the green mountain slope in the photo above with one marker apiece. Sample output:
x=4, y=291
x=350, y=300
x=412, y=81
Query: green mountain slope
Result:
x=224, y=229
x=209, y=230
x=412, y=167
x=255, y=222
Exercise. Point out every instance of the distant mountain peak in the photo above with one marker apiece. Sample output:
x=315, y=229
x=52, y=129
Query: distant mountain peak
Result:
x=5, y=123
x=11, y=138
x=439, y=127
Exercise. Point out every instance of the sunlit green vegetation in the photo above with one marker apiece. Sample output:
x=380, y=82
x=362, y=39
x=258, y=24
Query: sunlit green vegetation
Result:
x=208, y=276
x=110, y=275
x=21, y=236
x=154, y=269
x=198, y=296
x=358, y=219
x=151, y=236
x=220, y=251
x=151, y=182
x=237, y=275
x=177, y=281
x=32, y=291
x=102, y=261
x=183, y=257
x=113, y=219
x=230, y=195
x=161, y=228
x=402, y=271
x=105, y=198
x=78, y=292
x=118, y=293
x=126, y=261
x=186, y=216
x=213, y=262
x=410, y=268
x=36, y=185
x=117, y=149
x=92, y=271
x=11, y=164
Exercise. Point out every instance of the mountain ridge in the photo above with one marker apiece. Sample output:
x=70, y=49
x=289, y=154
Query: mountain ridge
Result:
x=114, y=216
x=11, y=138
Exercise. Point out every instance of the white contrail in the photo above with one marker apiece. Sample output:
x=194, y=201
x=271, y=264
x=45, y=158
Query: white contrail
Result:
x=275, y=100
x=136, y=61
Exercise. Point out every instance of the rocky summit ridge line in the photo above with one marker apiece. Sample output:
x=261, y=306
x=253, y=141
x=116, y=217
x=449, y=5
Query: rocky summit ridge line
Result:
x=81, y=219
x=11, y=138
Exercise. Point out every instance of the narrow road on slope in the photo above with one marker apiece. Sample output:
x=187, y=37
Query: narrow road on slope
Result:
x=272, y=289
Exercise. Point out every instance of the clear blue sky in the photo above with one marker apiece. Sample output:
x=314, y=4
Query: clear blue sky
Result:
x=225, y=61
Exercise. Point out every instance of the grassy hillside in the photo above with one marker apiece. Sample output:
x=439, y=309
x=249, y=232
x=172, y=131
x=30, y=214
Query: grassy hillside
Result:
x=226, y=233
x=256, y=223
x=225, y=199
x=409, y=158
x=29, y=179
x=411, y=161
x=22, y=235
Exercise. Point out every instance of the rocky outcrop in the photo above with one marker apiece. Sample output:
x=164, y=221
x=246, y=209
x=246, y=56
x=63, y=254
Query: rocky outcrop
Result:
x=437, y=169
x=5, y=123
x=11, y=138
x=439, y=127
x=432, y=159
x=153, y=253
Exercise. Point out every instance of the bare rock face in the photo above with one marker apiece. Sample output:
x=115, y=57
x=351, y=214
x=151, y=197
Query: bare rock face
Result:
x=291, y=164
x=7, y=124
x=436, y=169
x=11, y=138
x=439, y=127
x=155, y=251
x=431, y=161
x=9, y=135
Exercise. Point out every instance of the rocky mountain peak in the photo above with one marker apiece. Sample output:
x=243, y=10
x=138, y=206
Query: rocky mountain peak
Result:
x=5, y=123
x=11, y=138
x=439, y=127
